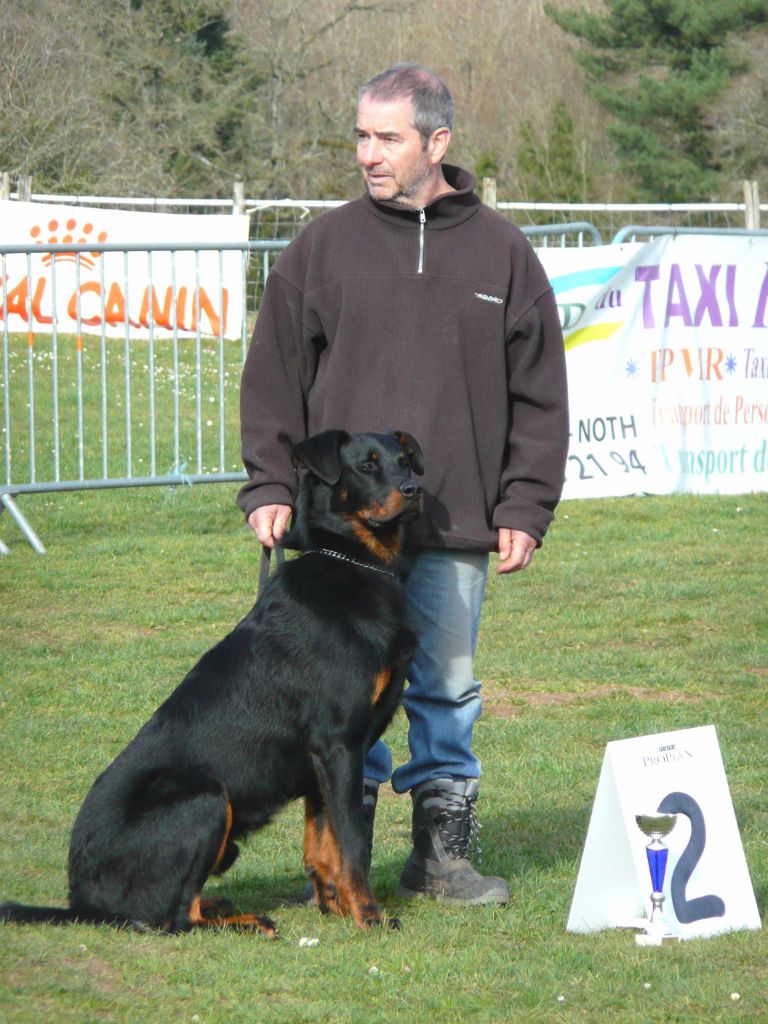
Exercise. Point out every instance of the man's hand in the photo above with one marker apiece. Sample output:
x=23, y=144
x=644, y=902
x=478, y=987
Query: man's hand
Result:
x=269, y=523
x=515, y=550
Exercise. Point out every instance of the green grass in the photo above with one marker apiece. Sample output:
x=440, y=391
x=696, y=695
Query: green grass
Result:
x=638, y=616
x=118, y=410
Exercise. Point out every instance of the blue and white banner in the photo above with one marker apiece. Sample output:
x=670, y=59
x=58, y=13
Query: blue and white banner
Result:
x=667, y=348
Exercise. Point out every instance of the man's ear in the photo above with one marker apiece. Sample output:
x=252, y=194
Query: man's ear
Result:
x=320, y=454
x=438, y=144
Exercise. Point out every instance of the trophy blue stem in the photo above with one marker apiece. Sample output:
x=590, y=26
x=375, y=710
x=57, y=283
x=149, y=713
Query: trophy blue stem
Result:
x=657, y=863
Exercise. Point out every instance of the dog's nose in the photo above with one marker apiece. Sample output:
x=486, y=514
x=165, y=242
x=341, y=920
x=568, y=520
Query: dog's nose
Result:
x=410, y=489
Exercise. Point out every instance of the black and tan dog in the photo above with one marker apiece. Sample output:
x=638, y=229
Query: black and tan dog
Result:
x=284, y=707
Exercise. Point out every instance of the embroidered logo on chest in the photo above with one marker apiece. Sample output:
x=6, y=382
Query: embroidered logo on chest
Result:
x=489, y=298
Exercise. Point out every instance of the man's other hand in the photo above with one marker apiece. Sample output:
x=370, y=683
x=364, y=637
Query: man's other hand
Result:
x=515, y=550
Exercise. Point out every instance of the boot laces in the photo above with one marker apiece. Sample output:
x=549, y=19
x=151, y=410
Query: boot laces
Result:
x=464, y=841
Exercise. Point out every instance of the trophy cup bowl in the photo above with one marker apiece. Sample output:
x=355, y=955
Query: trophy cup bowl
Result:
x=656, y=827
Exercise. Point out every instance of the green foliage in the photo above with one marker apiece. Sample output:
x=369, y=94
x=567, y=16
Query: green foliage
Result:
x=486, y=165
x=149, y=96
x=658, y=67
x=552, y=168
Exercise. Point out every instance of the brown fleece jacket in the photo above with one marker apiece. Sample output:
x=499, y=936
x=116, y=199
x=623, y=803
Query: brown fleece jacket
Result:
x=439, y=322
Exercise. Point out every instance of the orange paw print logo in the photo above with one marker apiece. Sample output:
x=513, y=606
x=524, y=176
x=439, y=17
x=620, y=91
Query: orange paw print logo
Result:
x=68, y=232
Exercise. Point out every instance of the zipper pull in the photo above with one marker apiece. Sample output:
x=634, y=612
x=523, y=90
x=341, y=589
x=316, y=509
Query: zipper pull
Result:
x=422, y=222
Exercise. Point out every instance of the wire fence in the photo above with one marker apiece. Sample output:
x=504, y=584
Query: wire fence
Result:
x=282, y=219
x=116, y=383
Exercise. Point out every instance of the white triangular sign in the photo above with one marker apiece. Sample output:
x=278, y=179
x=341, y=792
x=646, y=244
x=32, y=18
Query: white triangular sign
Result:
x=707, y=887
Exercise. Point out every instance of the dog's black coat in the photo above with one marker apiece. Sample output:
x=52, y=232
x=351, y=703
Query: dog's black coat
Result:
x=284, y=707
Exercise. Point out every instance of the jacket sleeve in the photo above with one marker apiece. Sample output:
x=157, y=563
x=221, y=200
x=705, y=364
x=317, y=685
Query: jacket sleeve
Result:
x=538, y=432
x=277, y=374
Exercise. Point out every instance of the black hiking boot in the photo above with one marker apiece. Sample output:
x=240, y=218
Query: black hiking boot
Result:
x=444, y=827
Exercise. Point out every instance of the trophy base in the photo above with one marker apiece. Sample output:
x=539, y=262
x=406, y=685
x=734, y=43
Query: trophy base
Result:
x=651, y=939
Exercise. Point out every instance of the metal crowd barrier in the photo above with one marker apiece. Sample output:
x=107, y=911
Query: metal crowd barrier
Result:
x=107, y=409
x=86, y=407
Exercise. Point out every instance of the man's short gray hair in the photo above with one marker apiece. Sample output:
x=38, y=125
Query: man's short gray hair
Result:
x=429, y=96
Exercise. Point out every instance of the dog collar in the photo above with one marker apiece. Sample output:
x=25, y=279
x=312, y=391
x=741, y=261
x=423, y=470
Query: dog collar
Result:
x=345, y=558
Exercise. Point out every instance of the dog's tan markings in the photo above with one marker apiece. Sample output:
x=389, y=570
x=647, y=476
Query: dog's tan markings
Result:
x=382, y=510
x=230, y=814
x=386, y=549
x=246, y=922
x=357, y=900
x=196, y=915
x=353, y=897
x=335, y=889
x=380, y=683
x=316, y=860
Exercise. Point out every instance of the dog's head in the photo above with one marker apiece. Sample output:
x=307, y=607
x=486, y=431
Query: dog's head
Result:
x=363, y=481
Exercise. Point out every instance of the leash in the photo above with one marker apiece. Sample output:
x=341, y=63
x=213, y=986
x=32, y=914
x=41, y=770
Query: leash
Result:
x=266, y=557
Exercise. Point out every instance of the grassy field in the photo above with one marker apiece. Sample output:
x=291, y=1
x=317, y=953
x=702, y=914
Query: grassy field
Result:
x=639, y=616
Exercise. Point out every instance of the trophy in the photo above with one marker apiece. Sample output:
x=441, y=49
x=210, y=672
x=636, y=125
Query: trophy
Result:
x=655, y=826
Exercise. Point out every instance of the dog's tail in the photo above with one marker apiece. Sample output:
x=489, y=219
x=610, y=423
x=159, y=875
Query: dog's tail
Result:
x=18, y=913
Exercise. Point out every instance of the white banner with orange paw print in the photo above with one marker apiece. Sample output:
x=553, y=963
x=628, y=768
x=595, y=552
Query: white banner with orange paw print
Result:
x=112, y=272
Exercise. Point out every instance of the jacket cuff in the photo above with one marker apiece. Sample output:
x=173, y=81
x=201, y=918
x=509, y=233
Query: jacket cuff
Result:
x=531, y=519
x=252, y=497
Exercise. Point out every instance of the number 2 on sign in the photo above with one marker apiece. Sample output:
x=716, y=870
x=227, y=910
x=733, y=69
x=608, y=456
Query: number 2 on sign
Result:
x=687, y=911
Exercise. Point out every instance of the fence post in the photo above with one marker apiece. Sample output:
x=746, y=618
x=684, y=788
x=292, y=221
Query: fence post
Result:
x=751, y=206
x=5, y=185
x=489, y=192
x=25, y=188
x=238, y=196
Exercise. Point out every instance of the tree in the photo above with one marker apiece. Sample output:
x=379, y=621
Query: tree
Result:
x=658, y=67
x=554, y=167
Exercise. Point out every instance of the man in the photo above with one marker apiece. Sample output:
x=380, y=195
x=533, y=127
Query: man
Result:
x=416, y=307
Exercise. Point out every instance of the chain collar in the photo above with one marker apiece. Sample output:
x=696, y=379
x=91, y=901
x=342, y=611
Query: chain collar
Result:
x=345, y=558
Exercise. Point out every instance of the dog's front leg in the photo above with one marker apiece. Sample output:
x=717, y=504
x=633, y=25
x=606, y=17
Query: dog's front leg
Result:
x=316, y=856
x=341, y=848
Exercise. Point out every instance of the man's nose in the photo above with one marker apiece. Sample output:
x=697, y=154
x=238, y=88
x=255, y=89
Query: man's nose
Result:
x=369, y=153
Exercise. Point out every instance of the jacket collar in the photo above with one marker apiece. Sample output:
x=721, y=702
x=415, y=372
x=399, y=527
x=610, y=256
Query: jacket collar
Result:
x=444, y=212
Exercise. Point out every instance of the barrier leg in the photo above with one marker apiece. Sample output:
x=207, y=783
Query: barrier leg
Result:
x=6, y=501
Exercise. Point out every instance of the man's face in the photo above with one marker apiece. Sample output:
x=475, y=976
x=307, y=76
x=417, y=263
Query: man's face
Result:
x=396, y=164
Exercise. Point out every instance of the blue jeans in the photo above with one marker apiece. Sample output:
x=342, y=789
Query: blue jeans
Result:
x=442, y=701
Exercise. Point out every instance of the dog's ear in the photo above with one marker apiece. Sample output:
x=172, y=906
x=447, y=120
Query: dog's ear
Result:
x=411, y=448
x=320, y=454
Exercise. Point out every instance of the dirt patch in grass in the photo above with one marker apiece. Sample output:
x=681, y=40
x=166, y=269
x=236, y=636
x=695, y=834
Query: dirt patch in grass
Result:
x=102, y=978
x=509, y=703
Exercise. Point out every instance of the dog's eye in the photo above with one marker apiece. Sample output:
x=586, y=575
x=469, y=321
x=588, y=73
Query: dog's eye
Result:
x=368, y=467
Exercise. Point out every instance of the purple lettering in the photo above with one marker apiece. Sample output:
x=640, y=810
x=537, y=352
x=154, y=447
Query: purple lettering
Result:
x=647, y=274
x=677, y=303
x=730, y=288
x=708, y=302
x=762, y=302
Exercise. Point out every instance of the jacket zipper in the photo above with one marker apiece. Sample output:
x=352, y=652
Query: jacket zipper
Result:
x=422, y=222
